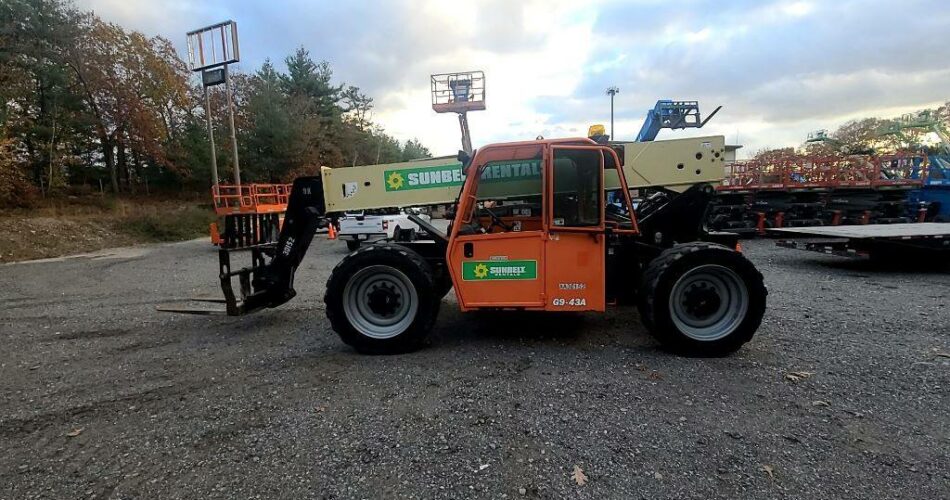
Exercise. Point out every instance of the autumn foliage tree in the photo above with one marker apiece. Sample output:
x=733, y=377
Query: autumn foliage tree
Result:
x=134, y=87
x=39, y=115
x=88, y=103
x=16, y=190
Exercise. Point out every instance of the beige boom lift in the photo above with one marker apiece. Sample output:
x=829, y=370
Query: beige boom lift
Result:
x=674, y=164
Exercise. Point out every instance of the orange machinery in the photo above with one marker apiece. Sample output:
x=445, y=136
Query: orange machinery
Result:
x=545, y=239
x=810, y=190
x=251, y=213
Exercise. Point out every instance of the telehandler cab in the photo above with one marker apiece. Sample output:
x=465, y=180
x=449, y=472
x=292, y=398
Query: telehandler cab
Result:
x=533, y=230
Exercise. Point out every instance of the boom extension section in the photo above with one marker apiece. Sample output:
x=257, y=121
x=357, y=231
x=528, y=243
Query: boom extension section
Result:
x=675, y=164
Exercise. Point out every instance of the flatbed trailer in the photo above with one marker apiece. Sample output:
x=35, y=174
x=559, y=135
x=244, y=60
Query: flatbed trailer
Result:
x=877, y=241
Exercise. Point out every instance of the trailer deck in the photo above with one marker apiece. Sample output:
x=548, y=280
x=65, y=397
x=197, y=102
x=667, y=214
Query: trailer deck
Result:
x=874, y=240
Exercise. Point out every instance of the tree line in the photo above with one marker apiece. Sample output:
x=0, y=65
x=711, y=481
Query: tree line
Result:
x=87, y=105
x=872, y=135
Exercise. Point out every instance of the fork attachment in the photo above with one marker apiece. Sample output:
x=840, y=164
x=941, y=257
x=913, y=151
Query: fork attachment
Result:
x=269, y=280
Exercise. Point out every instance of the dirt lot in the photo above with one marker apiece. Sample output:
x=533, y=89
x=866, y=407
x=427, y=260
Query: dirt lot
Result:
x=104, y=397
x=68, y=227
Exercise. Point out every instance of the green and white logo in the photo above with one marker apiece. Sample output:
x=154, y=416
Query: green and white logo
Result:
x=511, y=170
x=424, y=177
x=451, y=174
x=485, y=270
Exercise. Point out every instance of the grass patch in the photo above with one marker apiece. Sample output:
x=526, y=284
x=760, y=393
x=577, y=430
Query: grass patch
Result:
x=64, y=226
x=182, y=223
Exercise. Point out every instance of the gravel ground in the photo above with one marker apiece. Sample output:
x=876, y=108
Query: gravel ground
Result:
x=104, y=397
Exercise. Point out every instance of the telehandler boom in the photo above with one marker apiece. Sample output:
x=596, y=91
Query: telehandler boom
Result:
x=532, y=230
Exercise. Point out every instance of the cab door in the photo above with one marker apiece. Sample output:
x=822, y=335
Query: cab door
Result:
x=501, y=270
x=574, y=250
x=496, y=255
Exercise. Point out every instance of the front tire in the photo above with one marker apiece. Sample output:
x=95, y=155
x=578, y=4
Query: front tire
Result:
x=381, y=299
x=444, y=284
x=702, y=299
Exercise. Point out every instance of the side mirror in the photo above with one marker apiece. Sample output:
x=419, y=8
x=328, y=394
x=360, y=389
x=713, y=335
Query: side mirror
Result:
x=465, y=159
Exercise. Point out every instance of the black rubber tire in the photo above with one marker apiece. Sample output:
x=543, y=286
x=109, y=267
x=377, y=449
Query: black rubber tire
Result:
x=444, y=284
x=662, y=274
x=421, y=276
x=352, y=244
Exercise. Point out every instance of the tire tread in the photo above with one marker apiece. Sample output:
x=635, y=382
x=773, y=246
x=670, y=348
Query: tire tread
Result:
x=383, y=252
x=675, y=341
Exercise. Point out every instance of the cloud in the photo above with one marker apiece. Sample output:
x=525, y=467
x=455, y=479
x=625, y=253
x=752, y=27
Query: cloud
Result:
x=779, y=68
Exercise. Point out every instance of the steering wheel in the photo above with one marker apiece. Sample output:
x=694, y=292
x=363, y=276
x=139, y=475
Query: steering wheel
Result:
x=496, y=221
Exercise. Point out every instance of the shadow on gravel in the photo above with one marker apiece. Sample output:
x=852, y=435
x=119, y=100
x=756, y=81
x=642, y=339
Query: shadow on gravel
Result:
x=94, y=334
x=543, y=329
x=529, y=325
x=888, y=266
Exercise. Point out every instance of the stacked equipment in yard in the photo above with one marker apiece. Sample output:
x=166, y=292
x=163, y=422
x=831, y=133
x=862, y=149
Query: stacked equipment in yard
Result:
x=791, y=190
x=934, y=194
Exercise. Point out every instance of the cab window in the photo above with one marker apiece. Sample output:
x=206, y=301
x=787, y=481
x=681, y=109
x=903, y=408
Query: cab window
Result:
x=508, y=195
x=578, y=185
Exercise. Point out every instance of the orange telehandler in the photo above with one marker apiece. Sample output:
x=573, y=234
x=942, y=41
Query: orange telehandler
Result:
x=533, y=230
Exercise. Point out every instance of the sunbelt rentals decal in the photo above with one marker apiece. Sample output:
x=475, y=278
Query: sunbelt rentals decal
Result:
x=451, y=175
x=487, y=270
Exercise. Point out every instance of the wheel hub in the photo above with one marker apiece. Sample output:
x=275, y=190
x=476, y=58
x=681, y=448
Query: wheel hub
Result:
x=383, y=299
x=380, y=301
x=701, y=299
x=708, y=302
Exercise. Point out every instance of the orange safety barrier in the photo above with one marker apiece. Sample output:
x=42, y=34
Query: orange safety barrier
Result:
x=250, y=198
x=215, y=234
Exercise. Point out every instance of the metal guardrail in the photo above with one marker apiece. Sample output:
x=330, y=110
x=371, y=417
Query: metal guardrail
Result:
x=250, y=198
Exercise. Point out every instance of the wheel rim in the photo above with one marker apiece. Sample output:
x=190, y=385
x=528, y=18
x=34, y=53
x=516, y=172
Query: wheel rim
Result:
x=709, y=302
x=380, y=302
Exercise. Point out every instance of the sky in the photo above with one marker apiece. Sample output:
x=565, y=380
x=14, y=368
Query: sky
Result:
x=779, y=69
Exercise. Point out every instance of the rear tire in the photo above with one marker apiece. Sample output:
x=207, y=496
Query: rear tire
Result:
x=381, y=299
x=702, y=299
x=353, y=244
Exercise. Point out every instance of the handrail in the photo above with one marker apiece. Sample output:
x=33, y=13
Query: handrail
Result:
x=250, y=198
